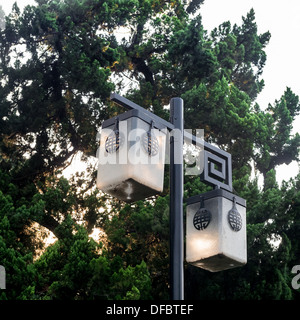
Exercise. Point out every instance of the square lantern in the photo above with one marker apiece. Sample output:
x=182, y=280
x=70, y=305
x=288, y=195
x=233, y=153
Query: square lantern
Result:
x=216, y=231
x=131, y=156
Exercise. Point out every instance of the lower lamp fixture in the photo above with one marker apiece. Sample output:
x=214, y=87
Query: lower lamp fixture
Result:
x=216, y=231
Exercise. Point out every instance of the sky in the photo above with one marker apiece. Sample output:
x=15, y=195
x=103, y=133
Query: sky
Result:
x=282, y=69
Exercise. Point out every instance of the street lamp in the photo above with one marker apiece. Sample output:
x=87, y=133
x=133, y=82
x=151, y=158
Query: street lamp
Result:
x=131, y=167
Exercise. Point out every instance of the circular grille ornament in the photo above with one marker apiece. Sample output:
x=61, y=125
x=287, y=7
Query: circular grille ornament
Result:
x=202, y=218
x=150, y=144
x=234, y=218
x=113, y=142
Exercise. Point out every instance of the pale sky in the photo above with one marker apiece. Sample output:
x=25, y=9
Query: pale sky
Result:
x=282, y=19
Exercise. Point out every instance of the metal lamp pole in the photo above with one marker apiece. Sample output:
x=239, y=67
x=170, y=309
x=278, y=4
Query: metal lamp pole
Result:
x=176, y=201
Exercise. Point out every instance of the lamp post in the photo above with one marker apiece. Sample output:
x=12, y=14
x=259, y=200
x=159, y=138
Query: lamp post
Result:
x=126, y=183
x=176, y=201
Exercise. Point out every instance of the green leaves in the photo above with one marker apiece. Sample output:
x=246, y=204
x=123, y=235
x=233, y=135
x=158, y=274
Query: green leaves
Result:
x=275, y=143
x=132, y=283
x=73, y=268
x=240, y=52
x=16, y=260
x=59, y=87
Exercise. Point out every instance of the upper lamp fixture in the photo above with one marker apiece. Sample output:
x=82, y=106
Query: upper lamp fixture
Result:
x=131, y=156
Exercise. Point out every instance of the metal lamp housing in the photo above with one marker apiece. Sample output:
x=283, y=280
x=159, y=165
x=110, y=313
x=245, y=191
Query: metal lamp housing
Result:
x=216, y=231
x=131, y=156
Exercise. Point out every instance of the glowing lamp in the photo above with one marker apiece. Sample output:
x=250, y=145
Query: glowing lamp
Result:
x=131, y=156
x=216, y=231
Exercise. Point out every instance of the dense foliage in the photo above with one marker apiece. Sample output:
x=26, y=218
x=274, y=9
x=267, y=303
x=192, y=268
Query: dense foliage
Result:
x=59, y=62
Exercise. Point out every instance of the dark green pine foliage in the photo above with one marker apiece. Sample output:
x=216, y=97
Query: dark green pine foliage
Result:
x=277, y=145
x=59, y=61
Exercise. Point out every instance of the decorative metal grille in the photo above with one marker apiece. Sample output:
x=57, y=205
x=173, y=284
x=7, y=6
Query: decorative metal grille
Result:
x=217, y=168
x=234, y=218
x=150, y=144
x=202, y=217
x=113, y=142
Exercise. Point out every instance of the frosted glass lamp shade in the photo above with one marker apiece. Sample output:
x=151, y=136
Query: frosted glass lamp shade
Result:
x=131, y=157
x=216, y=231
